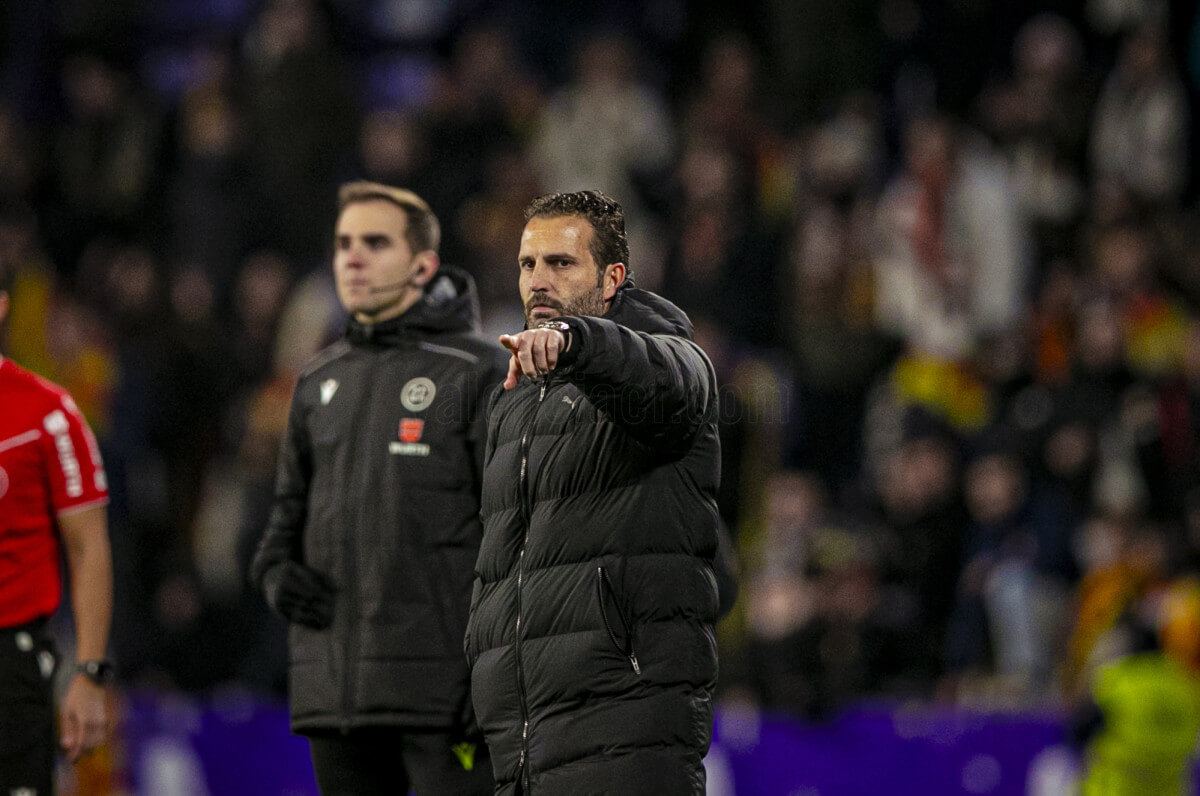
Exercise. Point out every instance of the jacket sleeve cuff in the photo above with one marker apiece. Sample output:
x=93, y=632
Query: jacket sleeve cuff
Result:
x=579, y=338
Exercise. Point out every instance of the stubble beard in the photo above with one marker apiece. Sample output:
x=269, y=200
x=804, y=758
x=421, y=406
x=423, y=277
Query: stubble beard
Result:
x=589, y=303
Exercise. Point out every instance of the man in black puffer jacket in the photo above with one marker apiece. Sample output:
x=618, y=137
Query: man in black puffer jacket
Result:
x=370, y=547
x=590, y=638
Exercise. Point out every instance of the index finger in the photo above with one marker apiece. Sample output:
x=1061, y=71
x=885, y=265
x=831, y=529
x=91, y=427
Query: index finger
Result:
x=514, y=373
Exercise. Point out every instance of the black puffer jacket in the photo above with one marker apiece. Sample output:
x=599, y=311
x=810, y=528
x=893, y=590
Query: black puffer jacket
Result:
x=590, y=639
x=388, y=510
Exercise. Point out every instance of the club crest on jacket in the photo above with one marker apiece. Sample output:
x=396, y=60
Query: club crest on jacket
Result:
x=418, y=394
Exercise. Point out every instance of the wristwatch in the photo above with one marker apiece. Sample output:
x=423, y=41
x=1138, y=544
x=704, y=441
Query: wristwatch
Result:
x=559, y=326
x=98, y=670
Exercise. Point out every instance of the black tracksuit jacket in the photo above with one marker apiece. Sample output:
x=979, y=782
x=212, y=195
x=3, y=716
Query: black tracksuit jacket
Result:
x=378, y=489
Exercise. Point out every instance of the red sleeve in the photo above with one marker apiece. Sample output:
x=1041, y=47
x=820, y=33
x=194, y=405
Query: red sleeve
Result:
x=76, y=473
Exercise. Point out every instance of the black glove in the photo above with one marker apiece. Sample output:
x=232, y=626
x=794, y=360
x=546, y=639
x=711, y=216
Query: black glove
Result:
x=465, y=728
x=301, y=594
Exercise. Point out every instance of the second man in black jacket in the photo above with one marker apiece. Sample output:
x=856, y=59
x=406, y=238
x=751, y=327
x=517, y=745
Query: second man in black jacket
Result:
x=371, y=543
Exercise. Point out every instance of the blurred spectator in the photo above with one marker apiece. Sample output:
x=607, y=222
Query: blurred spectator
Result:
x=1013, y=577
x=722, y=257
x=609, y=130
x=258, y=299
x=104, y=155
x=489, y=220
x=394, y=148
x=915, y=495
x=822, y=629
x=1122, y=561
x=199, y=381
x=1039, y=118
x=300, y=124
x=484, y=105
x=727, y=112
x=951, y=263
x=210, y=201
x=1140, y=132
x=836, y=350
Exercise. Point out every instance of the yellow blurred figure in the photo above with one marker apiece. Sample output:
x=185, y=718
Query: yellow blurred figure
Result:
x=1146, y=726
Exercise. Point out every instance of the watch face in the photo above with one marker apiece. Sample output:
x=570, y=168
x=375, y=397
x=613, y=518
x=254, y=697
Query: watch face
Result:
x=97, y=671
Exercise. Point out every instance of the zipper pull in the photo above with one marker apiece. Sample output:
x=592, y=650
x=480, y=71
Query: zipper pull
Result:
x=636, y=669
x=542, y=392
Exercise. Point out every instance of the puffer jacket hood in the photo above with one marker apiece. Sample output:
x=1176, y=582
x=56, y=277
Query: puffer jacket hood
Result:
x=648, y=312
x=449, y=304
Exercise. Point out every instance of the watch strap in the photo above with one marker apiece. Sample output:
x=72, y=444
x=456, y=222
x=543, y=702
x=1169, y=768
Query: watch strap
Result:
x=98, y=670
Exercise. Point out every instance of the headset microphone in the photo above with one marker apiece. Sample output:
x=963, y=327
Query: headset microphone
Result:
x=394, y=286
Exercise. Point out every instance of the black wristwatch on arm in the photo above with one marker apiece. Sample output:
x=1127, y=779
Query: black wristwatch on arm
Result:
x=98, y=670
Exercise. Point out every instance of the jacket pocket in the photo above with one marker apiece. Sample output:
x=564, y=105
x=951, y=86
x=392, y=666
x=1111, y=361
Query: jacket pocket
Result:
x=605, y=593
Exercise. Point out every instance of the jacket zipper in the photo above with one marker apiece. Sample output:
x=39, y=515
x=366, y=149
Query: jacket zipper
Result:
x=603, y=582
x=527, y=512
x=348, y=551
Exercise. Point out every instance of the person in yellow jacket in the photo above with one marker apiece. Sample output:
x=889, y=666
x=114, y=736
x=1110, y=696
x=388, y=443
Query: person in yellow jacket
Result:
x=1142, y=725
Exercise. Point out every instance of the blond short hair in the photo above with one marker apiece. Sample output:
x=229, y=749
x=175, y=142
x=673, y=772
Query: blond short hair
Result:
x=424, y=233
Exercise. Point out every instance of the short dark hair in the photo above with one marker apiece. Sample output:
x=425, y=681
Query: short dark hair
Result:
x=609, y=244
x=423, y=233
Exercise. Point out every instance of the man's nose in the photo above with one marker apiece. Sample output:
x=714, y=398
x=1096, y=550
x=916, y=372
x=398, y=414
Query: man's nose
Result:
x=540, y=279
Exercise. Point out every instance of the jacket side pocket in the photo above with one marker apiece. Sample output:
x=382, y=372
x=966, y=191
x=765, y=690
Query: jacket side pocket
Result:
x=604, y=590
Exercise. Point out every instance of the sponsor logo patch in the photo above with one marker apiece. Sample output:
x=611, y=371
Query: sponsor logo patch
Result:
x=411, y=429
x=408, y=448
x=57, y=426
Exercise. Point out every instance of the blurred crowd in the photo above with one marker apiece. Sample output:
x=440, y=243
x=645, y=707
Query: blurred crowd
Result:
x=942, y=254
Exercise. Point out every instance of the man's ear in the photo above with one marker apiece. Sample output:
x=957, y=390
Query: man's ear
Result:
x=426, y=267
x=3, y=305
x=614, y=275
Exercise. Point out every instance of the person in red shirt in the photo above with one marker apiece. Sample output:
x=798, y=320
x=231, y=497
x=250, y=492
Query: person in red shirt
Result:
x=53, y=498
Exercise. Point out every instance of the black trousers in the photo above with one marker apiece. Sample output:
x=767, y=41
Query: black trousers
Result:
x=391, y=761
x=27, y=722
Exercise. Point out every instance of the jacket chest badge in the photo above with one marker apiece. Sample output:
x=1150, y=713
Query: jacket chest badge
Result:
x=418, y=394
x=411, y=429
x=328, y=388
x=409, y=444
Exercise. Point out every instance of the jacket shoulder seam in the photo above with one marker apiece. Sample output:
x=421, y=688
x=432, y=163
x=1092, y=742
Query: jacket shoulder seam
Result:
x=438, y=348
x=322, y=358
